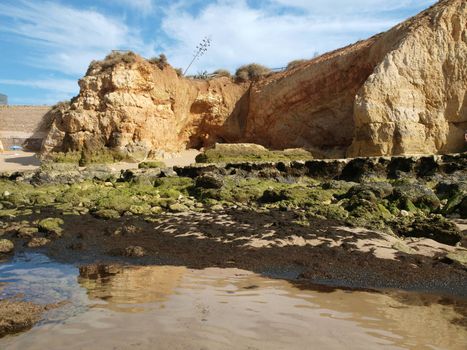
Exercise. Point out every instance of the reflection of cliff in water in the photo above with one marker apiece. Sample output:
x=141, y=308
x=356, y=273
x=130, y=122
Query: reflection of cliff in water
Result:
x=119, y=285
x=225, y=309
x=410, y=319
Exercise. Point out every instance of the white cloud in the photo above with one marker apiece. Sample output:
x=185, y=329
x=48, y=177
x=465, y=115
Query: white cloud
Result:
x=64, y=38
x=66, y=86
x=242, y=34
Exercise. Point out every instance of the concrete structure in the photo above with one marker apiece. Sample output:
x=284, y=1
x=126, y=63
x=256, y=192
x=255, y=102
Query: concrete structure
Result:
x=3, y=99
x=24, y=126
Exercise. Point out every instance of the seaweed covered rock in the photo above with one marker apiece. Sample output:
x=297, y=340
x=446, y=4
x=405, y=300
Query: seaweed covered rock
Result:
x=51, y=226
x=210, y=180
x=274, y=195
x=134, y=251
x=455, y=195
x=378, y=190
x=413, y=195
x=6, y=246
x=58, y=173
x=434, y=227
x=106, y=214
x=463, y=208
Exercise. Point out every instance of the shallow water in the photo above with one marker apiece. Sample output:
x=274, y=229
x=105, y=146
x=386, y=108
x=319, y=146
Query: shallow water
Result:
x=164, y=307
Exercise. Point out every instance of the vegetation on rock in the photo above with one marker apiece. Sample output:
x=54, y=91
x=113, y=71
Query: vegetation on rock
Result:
x=161, y=62
x=359, y=192
x=237, y=153
x=51, y=226
x=222, y=73
x=251, y=71
x=151, y=165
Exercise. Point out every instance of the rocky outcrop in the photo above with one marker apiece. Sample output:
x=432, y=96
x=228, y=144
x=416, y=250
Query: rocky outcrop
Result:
x=415, y=101
x=136, y=107
x=400, y=92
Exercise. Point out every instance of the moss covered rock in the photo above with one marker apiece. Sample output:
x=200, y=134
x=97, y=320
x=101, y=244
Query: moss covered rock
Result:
x=37, y=242
x=178, y=208
x=106, y=214
x=51, y=226
x=209, y=181
x=420, y=196
x=6, y=246
x=26, y=231
x=434, y=227
x=151, y=165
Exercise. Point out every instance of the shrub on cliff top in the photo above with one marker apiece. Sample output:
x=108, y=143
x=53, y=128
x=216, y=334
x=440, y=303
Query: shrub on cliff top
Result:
x=112, y=59
x=251, y=71
x=160, y=61
x=222, y=73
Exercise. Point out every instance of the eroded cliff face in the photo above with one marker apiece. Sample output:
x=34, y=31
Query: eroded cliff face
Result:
x=415, y=100
x=137, y=108
x=311, y=106
x=400, y=92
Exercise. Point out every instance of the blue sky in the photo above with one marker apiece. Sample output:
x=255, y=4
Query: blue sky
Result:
x=46, y=46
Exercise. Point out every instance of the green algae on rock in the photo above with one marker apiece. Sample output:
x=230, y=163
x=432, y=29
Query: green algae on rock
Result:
x=51, y=226
x=6, y=246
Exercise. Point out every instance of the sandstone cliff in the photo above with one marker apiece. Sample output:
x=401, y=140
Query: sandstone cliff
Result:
x=135, y=107
x=415, y=101
x=400, y=92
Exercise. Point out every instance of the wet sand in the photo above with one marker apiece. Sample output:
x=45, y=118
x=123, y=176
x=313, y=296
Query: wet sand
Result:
x=333, y=255
x=162, y=307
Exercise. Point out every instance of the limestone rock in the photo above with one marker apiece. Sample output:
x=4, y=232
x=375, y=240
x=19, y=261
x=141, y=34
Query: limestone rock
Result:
x=415, y=99
x=399, y=92
x=139, y=109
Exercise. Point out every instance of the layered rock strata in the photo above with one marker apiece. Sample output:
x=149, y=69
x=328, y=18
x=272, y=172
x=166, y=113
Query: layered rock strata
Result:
x=400, y=92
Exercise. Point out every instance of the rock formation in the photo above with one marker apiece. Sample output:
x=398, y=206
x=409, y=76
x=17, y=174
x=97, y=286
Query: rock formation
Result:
x=137, y=107
x=400, y=92
x=415, y=101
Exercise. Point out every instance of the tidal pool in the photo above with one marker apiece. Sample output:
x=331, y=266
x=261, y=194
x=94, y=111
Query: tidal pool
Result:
x=167, y=307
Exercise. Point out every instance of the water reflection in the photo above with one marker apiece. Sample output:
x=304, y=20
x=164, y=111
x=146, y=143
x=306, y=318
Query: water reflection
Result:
x=162, y=307
x=120, y=286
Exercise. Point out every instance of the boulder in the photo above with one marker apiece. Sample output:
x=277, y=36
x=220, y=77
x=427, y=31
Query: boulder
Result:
x=6, y=246
x=209, y=181
x=51, y=226
x=134, y=251
x=434, y=227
